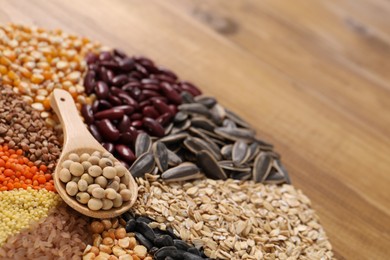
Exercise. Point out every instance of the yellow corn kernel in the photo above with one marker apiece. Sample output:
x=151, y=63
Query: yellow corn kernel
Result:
x=37, y=78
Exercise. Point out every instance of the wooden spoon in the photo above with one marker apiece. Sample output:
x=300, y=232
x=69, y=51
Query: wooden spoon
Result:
x=77, y=139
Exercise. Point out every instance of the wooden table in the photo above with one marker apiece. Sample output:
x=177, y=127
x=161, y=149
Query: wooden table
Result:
x=312, y=76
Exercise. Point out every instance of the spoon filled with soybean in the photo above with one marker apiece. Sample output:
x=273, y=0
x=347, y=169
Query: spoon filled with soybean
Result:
x=87, y=177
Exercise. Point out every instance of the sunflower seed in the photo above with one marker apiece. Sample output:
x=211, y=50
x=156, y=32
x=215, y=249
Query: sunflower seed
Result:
x=195, y=108
x=173, y=159
x=144, y=164
x=253, y=150
x=168, y=129
x=235, y=133
x=210, y=166
x=226, y=151
x=187, y=97
x=262, y=167
x=217, y=114
x=264, y=146
x=160, y=153
x=211, y=134
x=196, y=145
x=143, y=144
x=182, y=172
x=174, y=138
x=181, y=127
x=212, y=145
x=228, y=165
x=204, y=123
x=206, y=101
x=237, y=119
x=279, y=166
x=274, y=177
x=240, y=152
x=240, y=175
x=180, y=117
x=228, y=123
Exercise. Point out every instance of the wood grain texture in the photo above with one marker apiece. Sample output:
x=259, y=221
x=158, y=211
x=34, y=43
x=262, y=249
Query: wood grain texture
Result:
x=311, y=76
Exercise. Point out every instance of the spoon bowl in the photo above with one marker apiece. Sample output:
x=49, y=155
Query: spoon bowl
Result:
x=77, y=139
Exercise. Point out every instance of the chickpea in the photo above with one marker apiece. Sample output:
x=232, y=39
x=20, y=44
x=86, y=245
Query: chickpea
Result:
x=110, y=194
x=92, y=187
x=109, y=172
x=98, y=193
x=71, y=188
x=95, y=204
x=84, y=157
x=74, y=157
x=125, y=194
x=65, y=175
x=76, y=169
x=86, y=165
x=95, y=171
x=83, y=197
x=107, y=204
x=118, y=201
x=82, y=185
x=102, y=181
x=120, y=170
x=104, y=162
x=66, y=164
x=88, y=178
x=94, y=160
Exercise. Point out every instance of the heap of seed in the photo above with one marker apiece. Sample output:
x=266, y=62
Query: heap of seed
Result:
x=23, y=127
x=19, y=207
x=34, y=61
x=236, y=219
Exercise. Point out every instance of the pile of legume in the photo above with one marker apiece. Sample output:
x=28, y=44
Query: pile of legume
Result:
x=34, y=61
x=63, y=234
x=21, y=127
x=132, y=94
x=19, y=207
x=111, y=241
x=96, y=180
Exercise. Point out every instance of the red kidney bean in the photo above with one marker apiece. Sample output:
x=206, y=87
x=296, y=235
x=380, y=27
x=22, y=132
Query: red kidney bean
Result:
x=124, y=124
x=89, y=82
x=101, y=90
x=144, y=104
x=165, y=78
x=108, y=130
x=161, y=106
x=171, y=93
x=150, y=81
x=135, y=92
x=131, y=85
x=87, y=113
x=125, y=153
x=153, y=127
x=127, y=64
x=150, y=111
x=141, y=69
x=116, y=91
x=187, y=86
x=173, y=109
x=151, y=87
x=163, y=99
x=109, y=75
x=109, y=147
x=126, y=109
x=91, y=57
x=168, y=73
x=136, y=74
x=145, y=61
x=128, y=100
x=125, y=138
x=114, y=100
x=112, y=114
x=95, y=132
x=105, y=55
x=120, y=80
x=102, y=71
x=164, y=119
x=119, y=53
x=137, y=124
x=95, y=106
x=110, y=65
x=150, y=93
x=136, y=116
x=103, y=105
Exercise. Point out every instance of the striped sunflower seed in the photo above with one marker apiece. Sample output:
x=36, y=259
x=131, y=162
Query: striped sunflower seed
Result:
x=143, y=144
x=209, y=166
x=160, y=153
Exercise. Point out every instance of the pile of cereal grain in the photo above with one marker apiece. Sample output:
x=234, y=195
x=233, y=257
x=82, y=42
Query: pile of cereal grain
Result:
x=236, y=219
x=22, y=127
x=34, y=61
x=62, y=235
x=19, y=207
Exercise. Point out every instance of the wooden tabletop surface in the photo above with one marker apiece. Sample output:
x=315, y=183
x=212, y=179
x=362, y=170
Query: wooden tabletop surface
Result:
x=313, y=77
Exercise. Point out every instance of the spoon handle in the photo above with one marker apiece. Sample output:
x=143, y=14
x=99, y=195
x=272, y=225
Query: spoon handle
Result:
x=74, y=129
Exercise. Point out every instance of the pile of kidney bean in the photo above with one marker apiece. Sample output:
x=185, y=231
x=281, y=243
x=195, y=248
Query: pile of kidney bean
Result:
x=132, y=95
